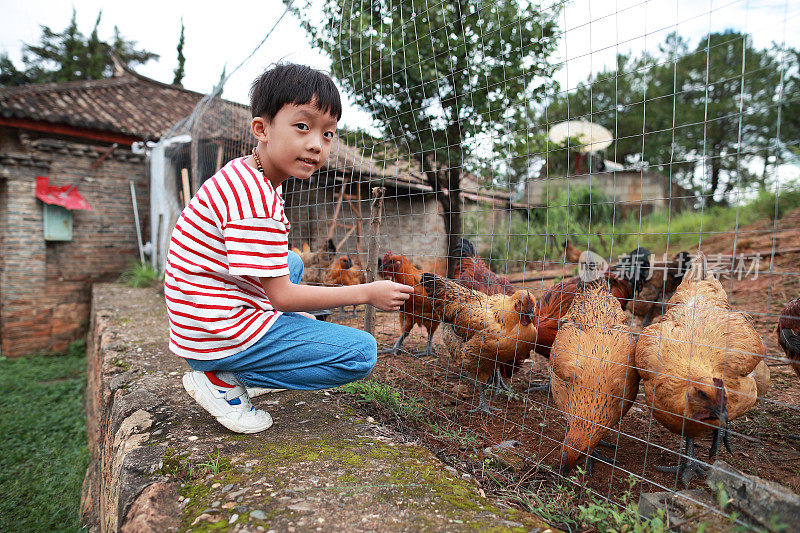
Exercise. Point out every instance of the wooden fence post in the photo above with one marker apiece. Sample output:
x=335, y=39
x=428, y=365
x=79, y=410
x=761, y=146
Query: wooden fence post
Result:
x=376, y=211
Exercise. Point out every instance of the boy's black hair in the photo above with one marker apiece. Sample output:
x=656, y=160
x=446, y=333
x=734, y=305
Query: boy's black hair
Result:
x=289, y=83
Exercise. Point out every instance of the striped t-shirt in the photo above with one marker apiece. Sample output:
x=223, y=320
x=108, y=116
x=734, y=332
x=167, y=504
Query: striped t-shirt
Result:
x=232, y=232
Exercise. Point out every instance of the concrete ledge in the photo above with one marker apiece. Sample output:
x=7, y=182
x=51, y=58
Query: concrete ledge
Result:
x=160, y=463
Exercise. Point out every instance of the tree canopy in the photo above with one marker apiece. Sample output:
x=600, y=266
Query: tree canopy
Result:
x=702, y=115
x=69, y=55
x=443, y=80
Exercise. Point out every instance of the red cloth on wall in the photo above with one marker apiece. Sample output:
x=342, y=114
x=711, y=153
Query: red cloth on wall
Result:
x=55, y=194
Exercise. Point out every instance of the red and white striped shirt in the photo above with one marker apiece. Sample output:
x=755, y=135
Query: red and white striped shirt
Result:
x=232, y=232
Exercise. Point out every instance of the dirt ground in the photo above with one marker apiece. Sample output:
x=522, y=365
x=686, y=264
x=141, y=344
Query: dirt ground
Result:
x=759, y=438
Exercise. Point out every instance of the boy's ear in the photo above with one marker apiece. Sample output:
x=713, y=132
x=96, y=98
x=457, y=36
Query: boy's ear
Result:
x=259, y=128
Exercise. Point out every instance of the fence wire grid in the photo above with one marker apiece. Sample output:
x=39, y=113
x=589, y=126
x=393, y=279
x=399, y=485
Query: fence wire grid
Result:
x=598, y=208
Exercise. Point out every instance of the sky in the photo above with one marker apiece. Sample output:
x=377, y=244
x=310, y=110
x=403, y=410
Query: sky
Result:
x=216, y=38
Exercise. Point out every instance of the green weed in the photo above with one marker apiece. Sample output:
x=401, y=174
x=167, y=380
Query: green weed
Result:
x=373, y=391
x=44, y=455
x=139, y=274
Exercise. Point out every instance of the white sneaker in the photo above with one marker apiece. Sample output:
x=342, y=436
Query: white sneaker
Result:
x=230, y=406
x=258, y=391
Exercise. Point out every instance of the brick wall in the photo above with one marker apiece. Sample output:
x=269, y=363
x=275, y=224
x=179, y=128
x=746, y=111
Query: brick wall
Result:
x=45, y=286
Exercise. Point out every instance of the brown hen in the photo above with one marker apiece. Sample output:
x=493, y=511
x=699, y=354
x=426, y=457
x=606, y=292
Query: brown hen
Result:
x=344, y=272
x=316, y=263
x=417, y=309
x=482, y=332
x=624, y=282
x=594, y=380
x=701, y=365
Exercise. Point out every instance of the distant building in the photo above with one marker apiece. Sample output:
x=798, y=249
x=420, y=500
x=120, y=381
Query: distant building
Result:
x=67, y=132
x=629, y=189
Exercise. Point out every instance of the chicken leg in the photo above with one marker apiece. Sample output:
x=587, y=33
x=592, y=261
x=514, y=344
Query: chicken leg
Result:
x=723, y=433
x=688, y=467
x=499, y=384
x=483, y=405
x=395, y=349
x=539, y=387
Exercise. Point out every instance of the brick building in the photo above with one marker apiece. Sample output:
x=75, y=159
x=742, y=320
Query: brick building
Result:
x=75, y=132
x=85, y=134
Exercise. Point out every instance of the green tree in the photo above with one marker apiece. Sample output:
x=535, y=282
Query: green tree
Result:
x=700, y=115
x=69, y=55
x=443, y=80
x=179, y=71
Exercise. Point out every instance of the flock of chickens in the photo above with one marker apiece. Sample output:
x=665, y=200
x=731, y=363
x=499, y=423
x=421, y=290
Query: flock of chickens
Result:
x=700, y=364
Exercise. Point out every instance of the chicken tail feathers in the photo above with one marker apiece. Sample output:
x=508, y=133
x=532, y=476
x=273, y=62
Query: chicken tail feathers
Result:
x=790, y=342
x=635, y=268
x=463, y=248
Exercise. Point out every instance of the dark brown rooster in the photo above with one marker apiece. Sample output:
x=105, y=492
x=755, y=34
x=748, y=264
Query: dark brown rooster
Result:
x=417, y=309
x=789, y=333
x=624, y=282
x=472, y=272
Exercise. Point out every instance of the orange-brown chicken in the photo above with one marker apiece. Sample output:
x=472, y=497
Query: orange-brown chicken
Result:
x=593, y=376
x=344, y=272
x=789, y=333
x=701, y=365
x=417, y=309
x=472, y=272
x=625, y=281
x=482, y=332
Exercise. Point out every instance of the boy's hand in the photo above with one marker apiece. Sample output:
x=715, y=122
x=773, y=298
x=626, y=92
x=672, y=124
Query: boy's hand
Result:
x=388, y=295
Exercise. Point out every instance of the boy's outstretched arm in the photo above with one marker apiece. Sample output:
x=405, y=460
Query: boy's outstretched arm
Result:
x=288, y=297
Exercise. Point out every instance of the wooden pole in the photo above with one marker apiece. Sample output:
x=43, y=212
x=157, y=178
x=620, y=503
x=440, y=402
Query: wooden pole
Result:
x=185, y=182
x=332, y=226
x=136, y=221
x=376, y=211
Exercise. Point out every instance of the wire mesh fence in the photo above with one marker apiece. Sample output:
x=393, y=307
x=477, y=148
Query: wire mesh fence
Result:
x=605, y=268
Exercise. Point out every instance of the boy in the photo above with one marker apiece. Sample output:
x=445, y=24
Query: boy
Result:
x=232, y=287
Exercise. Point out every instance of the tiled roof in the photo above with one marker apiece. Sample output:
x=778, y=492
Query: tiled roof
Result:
x=130, y=104
x=134, y=105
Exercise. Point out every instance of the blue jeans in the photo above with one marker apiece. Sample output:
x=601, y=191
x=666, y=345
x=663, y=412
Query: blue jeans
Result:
x=300, y=353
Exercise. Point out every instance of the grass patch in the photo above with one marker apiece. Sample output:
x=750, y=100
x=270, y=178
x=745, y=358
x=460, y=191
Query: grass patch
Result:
x=563, y=506
x=44, y=454
x=139, y=275
x=369, y=391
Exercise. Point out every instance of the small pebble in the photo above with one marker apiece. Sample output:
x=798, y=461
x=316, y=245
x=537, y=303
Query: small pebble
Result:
x=258, y=515
x=216, y=503
x=193, y=438
x=227, y=487
x=215, y=485
x=233, y=519
x=370, y=419
x=241, y=509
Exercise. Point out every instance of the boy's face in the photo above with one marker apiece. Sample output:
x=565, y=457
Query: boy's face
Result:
x=296, y=142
